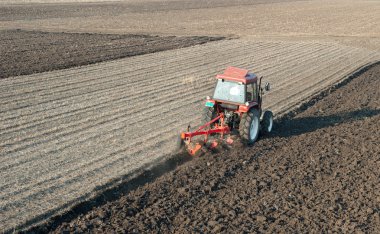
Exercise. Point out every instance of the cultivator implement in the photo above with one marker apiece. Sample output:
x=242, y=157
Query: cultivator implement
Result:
x=216, y=126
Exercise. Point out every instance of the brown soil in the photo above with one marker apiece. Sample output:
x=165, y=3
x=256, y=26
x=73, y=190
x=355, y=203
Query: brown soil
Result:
x=28, y=52
x=348, y=22
x=32, y=11
x=318, y=171
x=91, y=122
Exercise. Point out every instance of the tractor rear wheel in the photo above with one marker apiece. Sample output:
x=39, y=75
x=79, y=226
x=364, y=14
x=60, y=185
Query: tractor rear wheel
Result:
x=267, y=122
x=249, y=126
x=209, y=113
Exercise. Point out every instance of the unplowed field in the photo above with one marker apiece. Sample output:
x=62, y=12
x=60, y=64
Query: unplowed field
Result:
x=317, y=172
x=64, y=134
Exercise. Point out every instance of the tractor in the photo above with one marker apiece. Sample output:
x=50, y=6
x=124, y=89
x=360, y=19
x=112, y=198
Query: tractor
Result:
x=234, y=109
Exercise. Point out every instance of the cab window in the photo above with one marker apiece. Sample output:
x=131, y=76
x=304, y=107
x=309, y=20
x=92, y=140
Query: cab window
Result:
x=251, y=92
x=229, y=91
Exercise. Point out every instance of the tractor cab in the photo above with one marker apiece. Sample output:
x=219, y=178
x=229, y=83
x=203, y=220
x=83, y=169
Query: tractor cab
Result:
x=236, y=85
x=237, y=89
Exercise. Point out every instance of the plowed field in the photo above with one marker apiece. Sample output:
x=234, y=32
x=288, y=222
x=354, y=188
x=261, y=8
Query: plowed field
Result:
x=318, y=172
x=66, y=133
x=27, y=52
x=348, y=22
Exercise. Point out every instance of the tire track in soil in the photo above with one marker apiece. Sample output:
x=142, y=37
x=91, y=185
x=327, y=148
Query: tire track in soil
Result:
x=91, y=143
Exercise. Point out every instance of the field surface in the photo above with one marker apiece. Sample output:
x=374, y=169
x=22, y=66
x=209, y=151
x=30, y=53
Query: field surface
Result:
x=317, y=171
x=66, y=135
x=28, y=52
x=63, y=133
x=344, y=21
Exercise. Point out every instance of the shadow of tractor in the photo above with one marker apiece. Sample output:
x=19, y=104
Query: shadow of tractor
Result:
x=297, y=126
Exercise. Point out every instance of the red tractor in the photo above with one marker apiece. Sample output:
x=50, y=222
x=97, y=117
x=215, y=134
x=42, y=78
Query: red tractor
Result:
x=234, y=108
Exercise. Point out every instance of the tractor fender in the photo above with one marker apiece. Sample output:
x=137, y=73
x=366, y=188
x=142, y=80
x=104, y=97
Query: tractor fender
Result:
x=245, y=108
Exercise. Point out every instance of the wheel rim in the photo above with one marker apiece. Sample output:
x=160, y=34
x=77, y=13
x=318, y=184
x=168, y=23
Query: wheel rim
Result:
x=253, y=129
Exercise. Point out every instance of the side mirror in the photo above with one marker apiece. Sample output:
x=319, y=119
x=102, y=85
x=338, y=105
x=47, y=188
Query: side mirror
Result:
x=267, y=86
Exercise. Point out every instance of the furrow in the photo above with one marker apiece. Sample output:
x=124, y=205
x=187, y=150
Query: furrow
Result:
x=35, y=120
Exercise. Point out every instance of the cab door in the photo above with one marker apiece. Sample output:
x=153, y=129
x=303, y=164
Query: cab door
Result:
x=252, y=92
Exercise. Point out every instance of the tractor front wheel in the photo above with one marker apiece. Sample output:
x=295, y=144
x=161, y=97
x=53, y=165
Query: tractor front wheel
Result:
x=249, y=126
x=267, y=122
